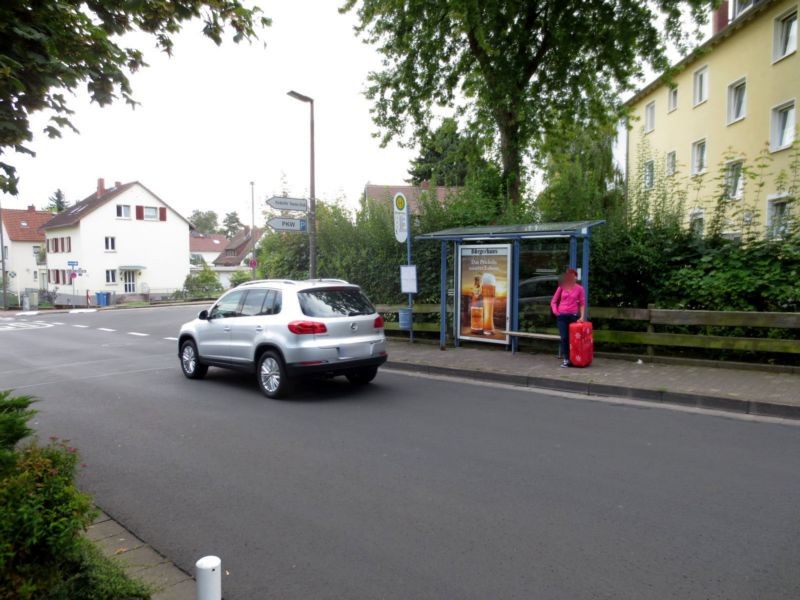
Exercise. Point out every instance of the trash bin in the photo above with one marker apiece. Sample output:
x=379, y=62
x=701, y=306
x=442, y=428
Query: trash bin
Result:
x=34, y=296
x=405, y=319
x=102, y=298
x=26, y=303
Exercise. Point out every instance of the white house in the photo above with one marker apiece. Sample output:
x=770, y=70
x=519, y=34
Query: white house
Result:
x=124, y=240
x=23, y=245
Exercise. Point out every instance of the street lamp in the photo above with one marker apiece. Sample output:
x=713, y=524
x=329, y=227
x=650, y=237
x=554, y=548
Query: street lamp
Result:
x=312, y=205
x=253, y=229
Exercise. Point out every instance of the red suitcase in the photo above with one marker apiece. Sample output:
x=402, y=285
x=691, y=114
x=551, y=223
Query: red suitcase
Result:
x=581, y=344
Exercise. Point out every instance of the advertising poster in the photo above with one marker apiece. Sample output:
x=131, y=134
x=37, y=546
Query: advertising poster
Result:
x=484, y=275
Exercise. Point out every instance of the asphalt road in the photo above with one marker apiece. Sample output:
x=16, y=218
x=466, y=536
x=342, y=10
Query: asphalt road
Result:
x=411, y=487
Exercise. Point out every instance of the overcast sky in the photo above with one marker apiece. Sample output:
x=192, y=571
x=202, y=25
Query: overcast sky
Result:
x=212, y=119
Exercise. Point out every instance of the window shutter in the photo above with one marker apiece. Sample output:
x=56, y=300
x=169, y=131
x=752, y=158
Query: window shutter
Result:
x=162, y=213
x=139, y=213
x=55, y=245
x=69, y=244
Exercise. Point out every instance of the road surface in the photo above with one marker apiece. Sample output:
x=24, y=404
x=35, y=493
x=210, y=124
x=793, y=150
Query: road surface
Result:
x=411, y=487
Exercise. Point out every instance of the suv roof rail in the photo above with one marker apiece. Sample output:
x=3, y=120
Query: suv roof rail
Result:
x=327, y=280
x=255, y=281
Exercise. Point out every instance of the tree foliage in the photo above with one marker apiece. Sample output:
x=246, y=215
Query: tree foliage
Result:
x=446, y=156
x=205, y=221
x=49, y=49
x=203, y=284
x=57, y=202
x=513, y=68
x=231, y=224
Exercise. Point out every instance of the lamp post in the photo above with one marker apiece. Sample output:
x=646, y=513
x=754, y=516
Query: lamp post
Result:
x=253, y=230
x=312, y=206
x=3, y=260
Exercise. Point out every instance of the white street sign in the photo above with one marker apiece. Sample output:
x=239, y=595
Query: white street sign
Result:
x=400, y=218
x=283, y=203
x=281, y=224
x=408, y=279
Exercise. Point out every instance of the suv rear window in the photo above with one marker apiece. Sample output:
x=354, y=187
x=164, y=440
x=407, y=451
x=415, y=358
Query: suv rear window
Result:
x=334, y=302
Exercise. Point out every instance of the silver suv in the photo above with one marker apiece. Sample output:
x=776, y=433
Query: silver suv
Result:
x=281, y=330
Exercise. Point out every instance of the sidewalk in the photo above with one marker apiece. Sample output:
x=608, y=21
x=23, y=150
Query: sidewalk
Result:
x=140, y=561
x=739, y=390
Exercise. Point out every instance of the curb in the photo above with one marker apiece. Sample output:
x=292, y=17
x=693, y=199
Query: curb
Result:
x=750, y=407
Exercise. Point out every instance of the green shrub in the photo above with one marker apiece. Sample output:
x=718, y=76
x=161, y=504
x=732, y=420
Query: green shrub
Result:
x=204, y=284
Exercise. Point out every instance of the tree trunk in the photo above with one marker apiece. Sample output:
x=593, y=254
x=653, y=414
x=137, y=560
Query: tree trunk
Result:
x=511, y=155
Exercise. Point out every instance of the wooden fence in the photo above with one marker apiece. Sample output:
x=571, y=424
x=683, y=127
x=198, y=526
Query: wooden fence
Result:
x=653, y=318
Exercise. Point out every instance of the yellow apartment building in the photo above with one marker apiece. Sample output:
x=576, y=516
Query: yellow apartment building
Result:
x=723, y=127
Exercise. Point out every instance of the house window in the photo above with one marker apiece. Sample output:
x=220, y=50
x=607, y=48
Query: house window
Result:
x=5, y=253
x=778, y=217
x=230, y=252
x=672, y=99
x=785, y=35
x=783, y=124
x=697, y=223
x=737, y=101
x=734, y=180
x=700, y=86
x=650, y=117
x=150, y=213
x=123, y=211
x=111, y=244
x=649, y=174
x=672, y=163
x=111, y=276
x=36, y=275
x=36, y=250
x=739, y=6
x=699, y=157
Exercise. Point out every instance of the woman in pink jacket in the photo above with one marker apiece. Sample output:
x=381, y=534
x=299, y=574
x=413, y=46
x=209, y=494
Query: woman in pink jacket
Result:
x=568, y=305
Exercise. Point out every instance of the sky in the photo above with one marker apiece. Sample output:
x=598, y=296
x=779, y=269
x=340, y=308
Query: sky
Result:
x=213, y=119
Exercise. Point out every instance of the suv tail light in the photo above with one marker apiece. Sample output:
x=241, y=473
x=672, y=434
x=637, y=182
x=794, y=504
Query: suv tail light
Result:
x=307, y=327
x=379, y=322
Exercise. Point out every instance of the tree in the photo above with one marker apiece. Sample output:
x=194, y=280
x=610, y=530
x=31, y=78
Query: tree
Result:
x=446, y=156
x=49, y=49
x=239, y=277
x=203, y=284
x=58, y=202
x=580, y=177
x=205, y=221
x=231, y=225
x=514, y=68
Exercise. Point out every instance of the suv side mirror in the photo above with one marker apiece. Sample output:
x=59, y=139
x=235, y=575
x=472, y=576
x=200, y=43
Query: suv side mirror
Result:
x=203, y=316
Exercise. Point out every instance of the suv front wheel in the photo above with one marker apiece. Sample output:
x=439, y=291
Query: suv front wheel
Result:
x=190, y=362
x=271, y=375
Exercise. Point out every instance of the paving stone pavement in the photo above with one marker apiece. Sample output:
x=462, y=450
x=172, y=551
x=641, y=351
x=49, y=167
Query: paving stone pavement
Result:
x=140, y=561
x=741, y=389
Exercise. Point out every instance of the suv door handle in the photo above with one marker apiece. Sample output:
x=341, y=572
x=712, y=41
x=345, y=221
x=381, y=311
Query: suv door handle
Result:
x=226, y=328
x=259, y=328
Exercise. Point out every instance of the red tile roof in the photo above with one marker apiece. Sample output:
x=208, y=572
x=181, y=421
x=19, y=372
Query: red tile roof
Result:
x=207, y=242
x=386, y=193
x=24, y=225
x=239, y=246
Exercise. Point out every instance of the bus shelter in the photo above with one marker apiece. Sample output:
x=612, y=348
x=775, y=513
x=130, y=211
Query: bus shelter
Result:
x=487, y=274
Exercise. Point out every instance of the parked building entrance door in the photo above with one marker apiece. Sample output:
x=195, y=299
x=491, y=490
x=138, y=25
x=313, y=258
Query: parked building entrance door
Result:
x=129, y=281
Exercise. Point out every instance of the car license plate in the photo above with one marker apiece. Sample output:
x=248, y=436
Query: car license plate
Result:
x=355, y=351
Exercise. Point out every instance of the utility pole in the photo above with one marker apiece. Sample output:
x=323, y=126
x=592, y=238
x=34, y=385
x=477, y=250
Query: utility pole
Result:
x=3, y=261
x=312, y=203
x=253, y=229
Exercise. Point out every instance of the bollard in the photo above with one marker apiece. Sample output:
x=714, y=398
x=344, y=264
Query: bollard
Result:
x=208, y=571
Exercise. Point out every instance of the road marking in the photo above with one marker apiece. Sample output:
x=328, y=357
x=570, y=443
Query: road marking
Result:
x=19, y=325
x=105, y=329
x=137, y=333
x=82, y=310
x=172, y=339
x=31, y=313
x=81, y=326
x=56, y=323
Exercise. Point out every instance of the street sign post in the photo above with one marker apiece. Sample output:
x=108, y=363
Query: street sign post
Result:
x=284, y=203
x=72, y=263
x=402, y=234
x=282, y=224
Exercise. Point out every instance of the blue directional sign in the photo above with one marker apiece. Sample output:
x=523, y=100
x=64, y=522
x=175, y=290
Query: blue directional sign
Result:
x=72, y=263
